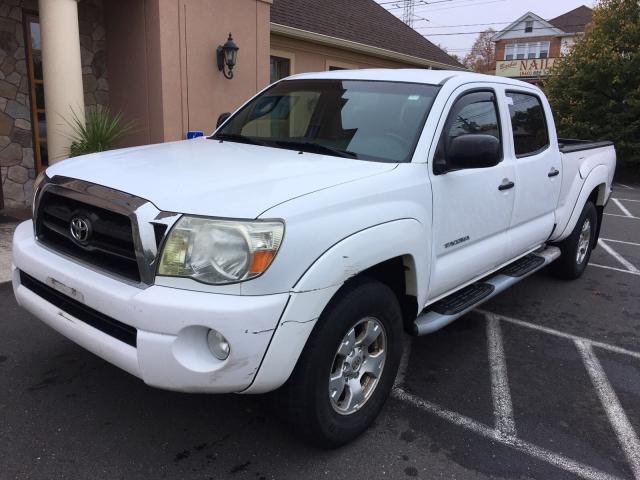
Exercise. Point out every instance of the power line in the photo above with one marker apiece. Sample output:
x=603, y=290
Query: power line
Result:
x=466, y=5
x=424, y=2
x=483, y=31
x=467, y=25
x=420, y=3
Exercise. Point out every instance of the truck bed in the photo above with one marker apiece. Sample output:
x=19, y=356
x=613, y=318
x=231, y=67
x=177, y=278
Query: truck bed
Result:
x=569, y=145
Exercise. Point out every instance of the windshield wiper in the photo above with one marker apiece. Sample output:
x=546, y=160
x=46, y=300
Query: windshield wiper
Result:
x=317, y=148
x=236, y=137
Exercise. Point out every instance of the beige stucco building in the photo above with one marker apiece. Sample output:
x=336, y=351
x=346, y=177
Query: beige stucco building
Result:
x=155, y=62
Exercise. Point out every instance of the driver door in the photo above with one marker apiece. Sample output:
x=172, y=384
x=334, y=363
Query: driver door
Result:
x=472, y=207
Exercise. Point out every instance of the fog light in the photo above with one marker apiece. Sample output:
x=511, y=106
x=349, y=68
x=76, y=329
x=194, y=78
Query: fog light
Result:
x=218, y=345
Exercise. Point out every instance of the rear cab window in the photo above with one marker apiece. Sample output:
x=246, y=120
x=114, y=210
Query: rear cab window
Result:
x=528, y=123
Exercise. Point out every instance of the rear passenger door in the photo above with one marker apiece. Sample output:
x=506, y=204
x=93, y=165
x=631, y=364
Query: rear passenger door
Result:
x=538, y=171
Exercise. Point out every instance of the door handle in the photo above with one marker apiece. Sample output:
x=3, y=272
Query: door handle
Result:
x=506, y=186
x=553, y=172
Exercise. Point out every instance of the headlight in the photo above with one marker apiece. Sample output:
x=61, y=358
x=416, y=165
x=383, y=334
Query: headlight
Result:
x=220, y=251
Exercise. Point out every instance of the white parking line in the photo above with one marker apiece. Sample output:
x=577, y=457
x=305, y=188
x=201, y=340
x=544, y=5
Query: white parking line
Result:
x=620, y=241
x=613, y=268
x=628, y=200
x=559, y=461
x=625, y=263
x=621, y=216
x=623, y=185
x=502, y=405
x=557, y=333
x=616, y=414
x=622, y=208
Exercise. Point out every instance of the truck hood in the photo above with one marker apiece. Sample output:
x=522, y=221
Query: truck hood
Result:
x=206, y=177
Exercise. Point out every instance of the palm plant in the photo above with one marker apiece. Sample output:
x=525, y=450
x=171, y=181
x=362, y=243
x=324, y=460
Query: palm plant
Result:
x=99, y=131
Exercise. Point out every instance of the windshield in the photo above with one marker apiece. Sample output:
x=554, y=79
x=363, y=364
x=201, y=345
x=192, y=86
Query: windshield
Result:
x=365, y=120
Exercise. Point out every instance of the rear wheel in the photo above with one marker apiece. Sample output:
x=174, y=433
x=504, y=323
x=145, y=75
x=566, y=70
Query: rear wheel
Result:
x=576, y=248
x=347, y=369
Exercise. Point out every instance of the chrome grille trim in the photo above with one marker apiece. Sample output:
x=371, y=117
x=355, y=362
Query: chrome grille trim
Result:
x=142, y=213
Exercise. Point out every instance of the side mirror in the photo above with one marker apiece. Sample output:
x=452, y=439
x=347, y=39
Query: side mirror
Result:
x=473, y=151
x=222, y=118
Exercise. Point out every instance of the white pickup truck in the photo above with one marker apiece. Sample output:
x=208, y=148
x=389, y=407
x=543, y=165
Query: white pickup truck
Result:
x=292, y=250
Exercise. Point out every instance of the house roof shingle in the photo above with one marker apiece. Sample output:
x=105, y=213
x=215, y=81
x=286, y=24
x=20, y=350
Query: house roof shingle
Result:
x=362, y=21
x=574, y=21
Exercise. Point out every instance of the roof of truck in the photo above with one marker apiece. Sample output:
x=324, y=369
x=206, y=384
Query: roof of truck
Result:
x=432, y=77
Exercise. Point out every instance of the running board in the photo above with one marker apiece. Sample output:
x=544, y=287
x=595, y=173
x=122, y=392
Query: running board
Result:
x=450, y=308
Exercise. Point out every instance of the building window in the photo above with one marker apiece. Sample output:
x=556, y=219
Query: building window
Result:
x=509, y=52
x=280, y=68
x=528, y=26
x=36, y=89
x=521, y=51
x=331, y=65
x=544, y=50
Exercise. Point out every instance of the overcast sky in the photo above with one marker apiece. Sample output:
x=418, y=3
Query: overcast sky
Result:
x=444, y=15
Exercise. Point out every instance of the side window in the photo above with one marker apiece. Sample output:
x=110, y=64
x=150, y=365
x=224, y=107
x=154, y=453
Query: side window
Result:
x=474, y=113
x=530, y=133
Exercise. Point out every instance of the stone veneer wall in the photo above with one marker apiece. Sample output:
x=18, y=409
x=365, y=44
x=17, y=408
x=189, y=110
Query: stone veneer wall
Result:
x=17, y=164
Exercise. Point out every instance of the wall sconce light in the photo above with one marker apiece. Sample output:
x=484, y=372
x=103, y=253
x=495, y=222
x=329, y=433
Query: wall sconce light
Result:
x=227, y=57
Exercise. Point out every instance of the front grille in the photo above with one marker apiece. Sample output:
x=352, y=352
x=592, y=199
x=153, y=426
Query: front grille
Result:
x=110, y=326
x=109, y=246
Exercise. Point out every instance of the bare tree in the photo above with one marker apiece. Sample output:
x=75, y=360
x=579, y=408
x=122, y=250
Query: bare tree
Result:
x=482, y=56
x=452, y=55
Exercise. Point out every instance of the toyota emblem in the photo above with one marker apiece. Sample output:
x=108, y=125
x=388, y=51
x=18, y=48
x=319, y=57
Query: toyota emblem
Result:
x=80, y=229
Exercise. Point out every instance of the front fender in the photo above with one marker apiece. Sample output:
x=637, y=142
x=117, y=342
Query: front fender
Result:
x=399, y=238
x=317, y=286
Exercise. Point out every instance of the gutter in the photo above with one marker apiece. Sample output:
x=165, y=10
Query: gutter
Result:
x=319, y=38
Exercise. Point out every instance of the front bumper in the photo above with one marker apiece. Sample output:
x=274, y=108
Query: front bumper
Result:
x=171, y=349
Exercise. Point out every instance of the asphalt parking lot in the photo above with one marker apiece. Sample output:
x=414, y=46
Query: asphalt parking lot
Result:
x=542, y=383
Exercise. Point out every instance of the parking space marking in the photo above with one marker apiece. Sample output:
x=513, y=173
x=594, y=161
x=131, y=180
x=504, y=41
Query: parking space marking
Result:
x=628, y=200
x=612, y=268
x=557, y=333
x=625, y=263
x=620, y=241
x=622, y=185
x=621, y=216
x=502, y=405
x=523, y=446
x=505, y=430
x=622, y=208
x=611, y=404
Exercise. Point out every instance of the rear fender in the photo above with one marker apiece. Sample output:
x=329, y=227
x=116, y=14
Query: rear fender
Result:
x=598, y=179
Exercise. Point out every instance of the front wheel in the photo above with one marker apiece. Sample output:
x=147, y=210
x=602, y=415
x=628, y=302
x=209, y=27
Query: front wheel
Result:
x=347, y=369
x=576, y=248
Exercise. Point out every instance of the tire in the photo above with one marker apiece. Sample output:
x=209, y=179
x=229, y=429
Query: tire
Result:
x=327, y=422
x=575, y=253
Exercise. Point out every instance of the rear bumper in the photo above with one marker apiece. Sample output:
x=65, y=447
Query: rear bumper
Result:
x=171, y=325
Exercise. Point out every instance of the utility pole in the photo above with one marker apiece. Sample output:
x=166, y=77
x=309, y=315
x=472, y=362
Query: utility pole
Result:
x=407, y=14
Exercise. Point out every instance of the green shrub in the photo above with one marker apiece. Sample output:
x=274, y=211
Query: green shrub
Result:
x=101, y=130
x=595, y=92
